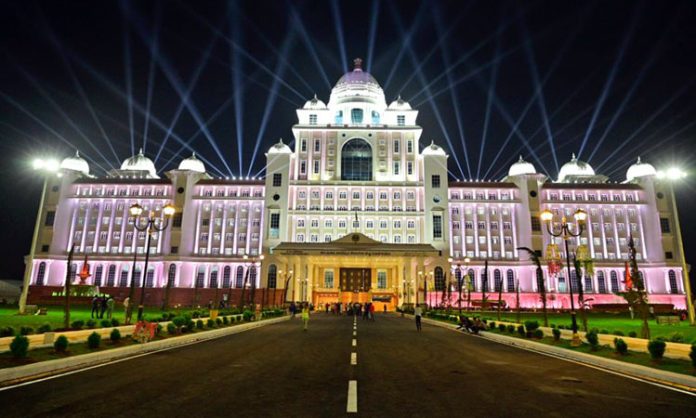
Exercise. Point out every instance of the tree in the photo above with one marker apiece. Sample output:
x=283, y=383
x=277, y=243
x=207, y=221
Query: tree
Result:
x=635, y=293
x=540, y=280
x=581, y=294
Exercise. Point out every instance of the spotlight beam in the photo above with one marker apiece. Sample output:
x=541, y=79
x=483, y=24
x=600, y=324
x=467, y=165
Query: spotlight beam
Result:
x=309, y=45
x=406, y=38
x=151, y=74
x=489, y=103
x=610, y=78
x=129, y=82
x=338, y=25
x=374, y=18
x=236, y=68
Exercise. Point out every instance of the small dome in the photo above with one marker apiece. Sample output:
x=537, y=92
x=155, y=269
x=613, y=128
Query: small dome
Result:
x=433, y=149
x=75, y=163
x=140, y=162
x=315, y=104
x=574, y=168
x=399, y=104
x=640, y=169
x=280, y=148
x=521, y=167
x=192, y=164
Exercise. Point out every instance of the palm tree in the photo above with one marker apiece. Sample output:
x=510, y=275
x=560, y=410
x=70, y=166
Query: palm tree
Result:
x=540, y=279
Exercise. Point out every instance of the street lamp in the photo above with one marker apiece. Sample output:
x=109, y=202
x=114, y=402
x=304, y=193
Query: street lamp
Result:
x=566, y=231
x=151, y=224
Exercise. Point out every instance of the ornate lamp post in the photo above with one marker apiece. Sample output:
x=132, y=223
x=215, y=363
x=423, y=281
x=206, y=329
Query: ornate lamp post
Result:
x=461, y=280
x=150, y=224
x=567, y=232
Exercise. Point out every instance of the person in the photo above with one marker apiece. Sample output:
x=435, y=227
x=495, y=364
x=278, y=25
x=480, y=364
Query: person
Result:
x=109, y=307
x=126, y=302
x=305, y=316
x=462, y=322
x=385, y=308
x=478, y=326
x=293, y=309
x=95, y=306
x=372, y=311
x=103, y=303
x=366, y=311
x=418, y=313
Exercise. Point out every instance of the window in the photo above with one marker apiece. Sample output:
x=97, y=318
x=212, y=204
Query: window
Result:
x=510, y=280
x=601, y=282
x=669, y=255
x=401, y=120
x=409, y=168
x=329, y=279
x=664, y=225
x=176, y=220
x=339, y=117
x=356, y=161
x=396, y=146
x=150, y=277
x=375, y=117
x=536, y=223
x=316, y=167
x=614, y=281
x=397, y=168
x=437, y=226
x=50, y=218
x=303, y=167
x=673, y=288
x=111, y=276
x=498, y=280
x=381, y=279
x=200, y=277
x=303, y=145
x=356, y=116
x=312, y=119
x=41, y=273
x=277, y=179
x=435, y=181
x=123, y=280
x=409, y=146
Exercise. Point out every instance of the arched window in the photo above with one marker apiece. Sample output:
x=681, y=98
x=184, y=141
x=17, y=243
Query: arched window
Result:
x=356, y=116
x=111, y=276
x=484, y=280
x=239, y=280
x=673, y=288
x=226, y=276
x=601, y=282
x=329, y=279
x=252, y=276
x=339, y=117
x=498, y=280
x=458, y=277
x=510, y=281
x=200, y=277
x=272, y=276
x=614, y=281
x=574, y=281
x=138, y=275
x=98, y=272
x=150, y=277
x=588, y=284
x=172, y=275
x=214, y=278
x=439, y=279
x=40, y=274
x=123, y=279
x=375, y=117
x=471, y=277
x=356, y=160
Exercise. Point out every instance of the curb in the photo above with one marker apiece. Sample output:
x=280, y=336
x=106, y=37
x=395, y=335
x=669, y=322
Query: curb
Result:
x=14, y=375
x=679, y=381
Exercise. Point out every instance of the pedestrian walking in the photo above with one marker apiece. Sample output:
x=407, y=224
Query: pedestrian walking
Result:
x=305, y=316
x=110, y=307
x=293, y=309
x=372, y=311
x=418, y=312
x=126, y=302
x=95, y=306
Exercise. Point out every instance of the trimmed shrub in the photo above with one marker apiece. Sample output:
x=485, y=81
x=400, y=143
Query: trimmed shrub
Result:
x=538, y=334
x=94, y=340
x=618, y=333
x=248, y=315
x=604, y=331
x=632, y=334
x=531, y=326
x=199, y=324
x=158, y=330
x=692, y=354
x=179, y=322
x=677, y=338
x=511, y=329
x=592, y=339
x=115, y=335
x=620, y=346
x=26, y=330
x=492, y=325
x=19, y=346
x=502, y=327
x=105, y=323
x=61, y=344
x=91, y=323
x=114, y=322
x=195, y=314
x=521, y=331
x=553, y=325
x=77, y=324
x=171, y=328
x=657, y=349
x=556, y=334
x=44, y=328
x=210, y=323
x=562, y=327
x=189, y=324
x=7, y=332
x=218, y=321
x=225, y=320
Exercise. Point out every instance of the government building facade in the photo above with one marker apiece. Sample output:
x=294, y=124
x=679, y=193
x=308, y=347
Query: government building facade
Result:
x=361, y=209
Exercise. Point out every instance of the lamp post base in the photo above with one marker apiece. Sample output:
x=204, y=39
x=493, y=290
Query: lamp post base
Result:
x=576, y=341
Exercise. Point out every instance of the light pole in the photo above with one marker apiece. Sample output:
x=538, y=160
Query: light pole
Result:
x=460, y=279
x=425, y=290
x=151, y=224
x=567, y=233
x=672, y=175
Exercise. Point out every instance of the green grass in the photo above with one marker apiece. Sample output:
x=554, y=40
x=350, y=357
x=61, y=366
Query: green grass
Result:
x=601, y=321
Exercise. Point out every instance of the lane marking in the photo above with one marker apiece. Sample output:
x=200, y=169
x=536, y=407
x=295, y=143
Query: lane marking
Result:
x=353, y=359
x=355, y=333
x=355, y=342
x=352, y=406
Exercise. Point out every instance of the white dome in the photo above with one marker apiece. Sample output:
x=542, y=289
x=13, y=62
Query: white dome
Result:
x=280, y=148
x=315, y=104
x=75, y=163
x=399, y=104
x=521, y=167
x=192, y=164
x=357, y=87
x=433, y=149
x=640, y=169
x=574, y=168
x=140, y=162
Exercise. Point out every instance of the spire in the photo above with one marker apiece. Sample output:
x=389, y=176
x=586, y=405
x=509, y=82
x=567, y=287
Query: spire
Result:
x=357, y=64
x=573, y=158
x=141, y=151
x=521, y=159
x=638, y=162
x=77, y=154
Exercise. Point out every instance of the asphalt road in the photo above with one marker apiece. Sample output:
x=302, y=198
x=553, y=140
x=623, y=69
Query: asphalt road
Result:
x=281, y=371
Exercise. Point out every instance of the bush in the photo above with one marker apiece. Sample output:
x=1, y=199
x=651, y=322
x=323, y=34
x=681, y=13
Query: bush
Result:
x=195, y=314
x=692, y=354
x=94, y=340
x=657, y=349
x=7, y=332
x=199, y=324
x=618, y=333
x=531, y=326
x=91, y=324
x=115, y=335
x=538, y=334
x=248, y=315
x=502, y=327
x=171, y=328
x=44, y=328
x=61, y=344
x=521, y=331
x=604, y=331
x=556, y=334
x=105, y=323
x=562, y=327
x=179, y=322
x=553, y=325
x=511, y=329
x=632, y=334
x=225, y=321
x=26, y=330
x=210, y=323
x=19, y=346
x=677, y=338
x=592, y=339
x=620, y=346
x=77, y=324
x=158, y=330
x=189, y=324
x=218, y=321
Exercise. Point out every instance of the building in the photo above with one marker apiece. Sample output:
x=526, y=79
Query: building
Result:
x=358, y=211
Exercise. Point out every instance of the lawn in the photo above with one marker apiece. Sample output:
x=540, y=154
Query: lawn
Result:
x=601, y=321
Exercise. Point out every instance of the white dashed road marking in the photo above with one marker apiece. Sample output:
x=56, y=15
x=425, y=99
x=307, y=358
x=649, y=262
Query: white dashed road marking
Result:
x=353, y=359
x=355, y=342
x=352, y=396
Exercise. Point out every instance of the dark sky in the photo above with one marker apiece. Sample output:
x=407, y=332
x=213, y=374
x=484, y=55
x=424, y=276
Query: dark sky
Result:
x=492, y=80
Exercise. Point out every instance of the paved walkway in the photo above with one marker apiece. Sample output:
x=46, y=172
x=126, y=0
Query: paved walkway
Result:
x=390, y=370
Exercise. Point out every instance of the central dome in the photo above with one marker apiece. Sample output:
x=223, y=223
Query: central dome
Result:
x=521, y=167
x=140, y=162
x=575, y=168
x=357, y=76
x=357, y=87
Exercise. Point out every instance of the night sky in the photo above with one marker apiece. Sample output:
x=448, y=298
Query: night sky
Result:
x=608, y=80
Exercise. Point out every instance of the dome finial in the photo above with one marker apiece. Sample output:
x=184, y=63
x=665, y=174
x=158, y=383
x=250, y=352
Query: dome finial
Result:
x=77, y=153
x=638, y=161
x=141, y=151
x=573, y=157
x=357, y=64
x=315, y=97
x=521, y=159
